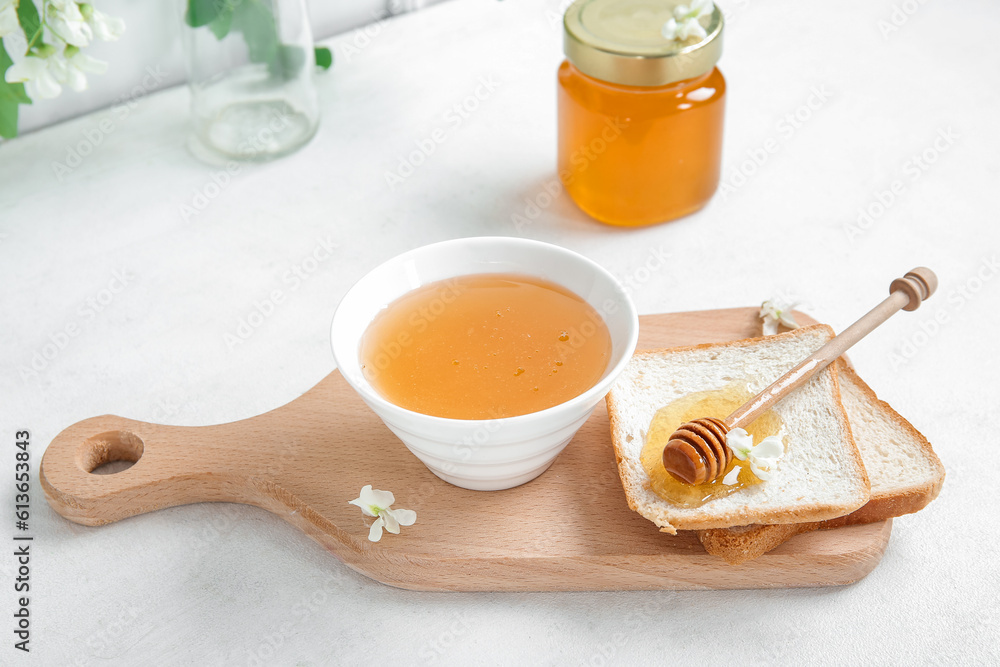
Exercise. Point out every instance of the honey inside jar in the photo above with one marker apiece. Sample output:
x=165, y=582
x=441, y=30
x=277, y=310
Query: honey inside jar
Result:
x=485, y=346
x=630, y=155
x=720, y=404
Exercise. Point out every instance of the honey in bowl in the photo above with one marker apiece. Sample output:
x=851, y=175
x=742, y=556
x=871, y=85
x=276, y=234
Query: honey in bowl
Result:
x=720, y=404
x=485, y=346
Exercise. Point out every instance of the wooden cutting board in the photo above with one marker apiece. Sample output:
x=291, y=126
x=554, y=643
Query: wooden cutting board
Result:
x=569, y=529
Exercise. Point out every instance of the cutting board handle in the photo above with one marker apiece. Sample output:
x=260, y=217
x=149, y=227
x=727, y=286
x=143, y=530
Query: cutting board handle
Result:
x=174, y=465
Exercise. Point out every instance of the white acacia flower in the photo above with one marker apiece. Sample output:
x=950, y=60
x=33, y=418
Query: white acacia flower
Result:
x=685, y=22
x=8, y=17
x=66, y=22
x=732, y=476
x=376, y=503
x=38, y=76
x=696, y=10
x=107, y=28
x=773, y=311
x=73, y=69
x=763, y=456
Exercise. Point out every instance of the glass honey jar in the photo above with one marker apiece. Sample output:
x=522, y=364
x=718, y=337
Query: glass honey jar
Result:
x=640, y=115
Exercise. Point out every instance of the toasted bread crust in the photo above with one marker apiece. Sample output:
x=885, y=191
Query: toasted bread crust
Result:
x=814, y=512
x=737, y=546
x=742, y=342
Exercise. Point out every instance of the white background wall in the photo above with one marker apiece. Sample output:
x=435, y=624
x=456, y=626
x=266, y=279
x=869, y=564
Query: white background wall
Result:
x=152, y=39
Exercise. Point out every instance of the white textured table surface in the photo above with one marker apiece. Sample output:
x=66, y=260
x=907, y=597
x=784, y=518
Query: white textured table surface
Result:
x=153, y=293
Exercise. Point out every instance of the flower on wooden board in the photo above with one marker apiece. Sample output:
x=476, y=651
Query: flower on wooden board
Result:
x=376, y=503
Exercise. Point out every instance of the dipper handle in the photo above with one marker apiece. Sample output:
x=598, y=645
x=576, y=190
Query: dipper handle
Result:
x=906, y=293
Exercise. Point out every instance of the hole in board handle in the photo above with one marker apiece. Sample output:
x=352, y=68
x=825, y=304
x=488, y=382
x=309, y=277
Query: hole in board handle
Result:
x=109, y=453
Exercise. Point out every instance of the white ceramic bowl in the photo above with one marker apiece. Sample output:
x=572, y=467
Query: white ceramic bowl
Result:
x=484, y=454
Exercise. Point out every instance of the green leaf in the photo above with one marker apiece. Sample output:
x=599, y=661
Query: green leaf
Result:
x=289, y=61
x=8, y=119
x=254, y=19
x=11, y=95
x=10, y=91
x=27, y=16
x=13, y=92
x=256, y=22
x=202, y=12
x=220, y=24
x=324, y=58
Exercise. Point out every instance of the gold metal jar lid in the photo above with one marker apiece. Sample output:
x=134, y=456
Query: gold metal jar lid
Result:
x=620, y=41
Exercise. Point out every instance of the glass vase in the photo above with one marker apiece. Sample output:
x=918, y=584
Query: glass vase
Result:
x=250, y=66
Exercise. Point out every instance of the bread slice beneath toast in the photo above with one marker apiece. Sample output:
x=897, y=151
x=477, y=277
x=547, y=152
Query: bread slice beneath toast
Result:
x=904, y=471
x=820, y=476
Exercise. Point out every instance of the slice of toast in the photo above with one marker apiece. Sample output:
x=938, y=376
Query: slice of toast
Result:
x=821, y=475
x=904, y=471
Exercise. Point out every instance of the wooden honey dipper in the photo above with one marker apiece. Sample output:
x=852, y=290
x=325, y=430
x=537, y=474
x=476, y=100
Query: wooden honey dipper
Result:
x=697, y=451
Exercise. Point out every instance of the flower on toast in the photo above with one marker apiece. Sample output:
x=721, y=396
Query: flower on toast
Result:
x=773, y=312
x=685, y=22
x=732, y=476
x=763, y=456
x=377, y=504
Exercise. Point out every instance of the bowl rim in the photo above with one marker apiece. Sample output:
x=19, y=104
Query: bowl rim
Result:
x=591, y=396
